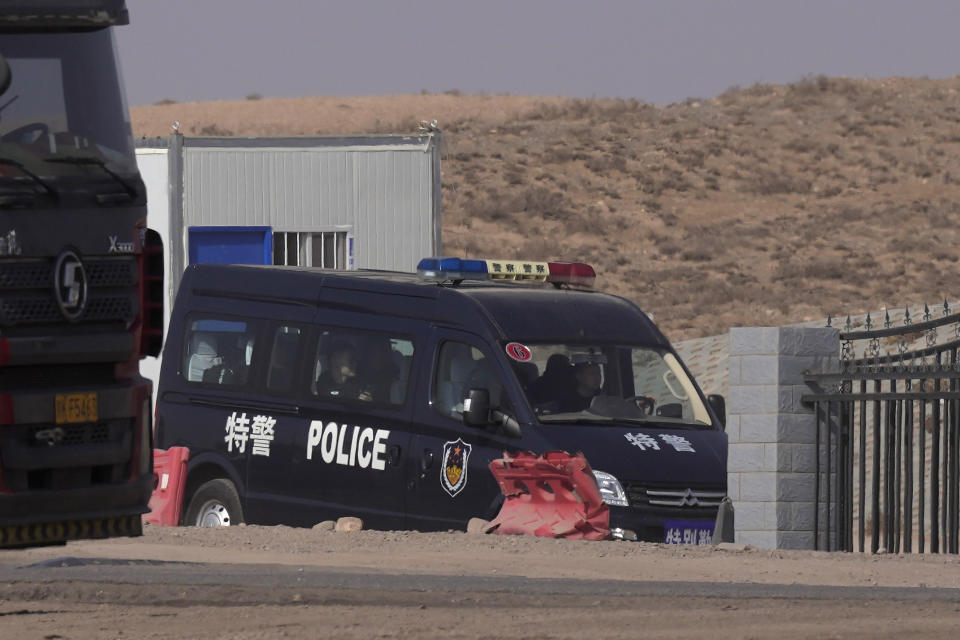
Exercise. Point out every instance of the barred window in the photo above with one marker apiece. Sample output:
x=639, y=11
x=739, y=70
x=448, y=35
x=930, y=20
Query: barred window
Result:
x=324, y=249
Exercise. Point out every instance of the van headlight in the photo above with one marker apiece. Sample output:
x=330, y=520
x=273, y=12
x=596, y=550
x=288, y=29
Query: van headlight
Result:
x=610, y=489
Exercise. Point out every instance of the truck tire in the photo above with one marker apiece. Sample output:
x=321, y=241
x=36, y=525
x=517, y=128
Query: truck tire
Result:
x=214, y=504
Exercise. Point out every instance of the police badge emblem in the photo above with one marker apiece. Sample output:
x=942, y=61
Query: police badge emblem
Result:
x=453, y=471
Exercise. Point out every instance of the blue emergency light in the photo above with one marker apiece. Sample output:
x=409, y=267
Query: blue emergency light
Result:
x=443, y=269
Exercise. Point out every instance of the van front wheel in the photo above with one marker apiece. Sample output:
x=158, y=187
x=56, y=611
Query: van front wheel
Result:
x=214, y=504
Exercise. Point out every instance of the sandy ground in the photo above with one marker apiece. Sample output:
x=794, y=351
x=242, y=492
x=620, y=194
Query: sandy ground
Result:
x=458, y=553
x=50, y=608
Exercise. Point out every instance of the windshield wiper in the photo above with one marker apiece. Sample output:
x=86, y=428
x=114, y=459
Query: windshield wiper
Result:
x=9, y=102
x=81, y=161
x=575, y=418
x=581, y=418
x=30, y=174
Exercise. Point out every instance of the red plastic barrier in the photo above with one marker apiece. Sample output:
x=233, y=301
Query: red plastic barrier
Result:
x=169, y=480
x=554, y=495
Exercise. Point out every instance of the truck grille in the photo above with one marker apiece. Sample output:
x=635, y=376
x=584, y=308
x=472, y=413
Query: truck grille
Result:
x=47, y=456
x=26, y=275
x=642, y=496
x=27, y=296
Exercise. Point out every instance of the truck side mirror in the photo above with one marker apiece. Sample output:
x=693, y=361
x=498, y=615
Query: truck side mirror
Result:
x=719, y=406
x=476, y=408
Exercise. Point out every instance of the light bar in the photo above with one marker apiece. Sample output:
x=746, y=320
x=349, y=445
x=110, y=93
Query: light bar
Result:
x=443, y=269
x=572, y=273
x=576, y=274
x=517, y=270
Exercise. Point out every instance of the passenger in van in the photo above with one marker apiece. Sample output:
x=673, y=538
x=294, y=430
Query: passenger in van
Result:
x=203, y=355
x=527, y=373
x=379, y=372
x=340, y=378
x=589, y=379
x=227, y=365
x=556, y=382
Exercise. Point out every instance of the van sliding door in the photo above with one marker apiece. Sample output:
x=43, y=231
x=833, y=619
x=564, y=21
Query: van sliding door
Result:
x=353, y=437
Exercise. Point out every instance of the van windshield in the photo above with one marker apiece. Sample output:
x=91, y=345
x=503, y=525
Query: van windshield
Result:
x=579, y=383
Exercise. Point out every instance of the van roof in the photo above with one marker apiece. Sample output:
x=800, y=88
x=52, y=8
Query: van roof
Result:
x=516, y=311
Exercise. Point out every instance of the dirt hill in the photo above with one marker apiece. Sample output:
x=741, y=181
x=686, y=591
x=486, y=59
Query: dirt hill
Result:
x=762, y=206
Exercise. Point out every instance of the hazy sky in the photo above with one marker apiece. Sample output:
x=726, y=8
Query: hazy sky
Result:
x=661, y=52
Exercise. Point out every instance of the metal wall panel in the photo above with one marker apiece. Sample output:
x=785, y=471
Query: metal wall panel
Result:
x=383, y=194
x=394, y=226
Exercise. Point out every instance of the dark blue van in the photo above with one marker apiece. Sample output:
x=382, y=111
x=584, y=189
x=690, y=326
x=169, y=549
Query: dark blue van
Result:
x=306, y=395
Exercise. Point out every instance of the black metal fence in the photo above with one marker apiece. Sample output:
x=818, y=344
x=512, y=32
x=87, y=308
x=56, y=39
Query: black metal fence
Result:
x=888, y=469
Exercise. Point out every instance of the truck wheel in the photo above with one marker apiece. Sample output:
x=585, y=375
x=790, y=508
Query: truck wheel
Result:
x=214, y=504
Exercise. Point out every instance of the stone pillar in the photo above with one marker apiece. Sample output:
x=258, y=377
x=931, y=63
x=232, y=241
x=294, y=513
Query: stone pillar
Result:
x=772, y=435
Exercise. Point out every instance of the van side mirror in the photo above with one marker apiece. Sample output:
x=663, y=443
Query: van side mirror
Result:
x=476, y=408
x=719, y=406
x=477, y=413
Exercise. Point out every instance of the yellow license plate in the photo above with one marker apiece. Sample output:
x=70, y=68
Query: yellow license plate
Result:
x=76, y=407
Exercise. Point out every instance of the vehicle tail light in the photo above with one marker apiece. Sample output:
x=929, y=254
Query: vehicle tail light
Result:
x=143, y=438
x=6, y=408
x=3, y=486
x=6, y=417
x=572, y=273
x=151, y=294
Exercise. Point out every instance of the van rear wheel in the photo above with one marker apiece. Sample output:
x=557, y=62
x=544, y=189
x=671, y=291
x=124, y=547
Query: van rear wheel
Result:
x=214, y=504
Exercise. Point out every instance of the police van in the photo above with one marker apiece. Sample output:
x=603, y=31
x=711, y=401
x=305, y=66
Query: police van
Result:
x=305, y=395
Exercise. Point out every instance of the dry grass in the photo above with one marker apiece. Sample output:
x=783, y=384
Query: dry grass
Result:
x=765, y=205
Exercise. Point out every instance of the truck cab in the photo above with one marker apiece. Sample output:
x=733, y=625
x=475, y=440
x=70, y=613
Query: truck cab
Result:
x=80, y=280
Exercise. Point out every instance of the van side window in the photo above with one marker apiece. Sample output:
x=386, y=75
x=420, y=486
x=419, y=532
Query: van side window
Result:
x=218, y=352
x=461, y=367
x=281, y=372
x=362, y=366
